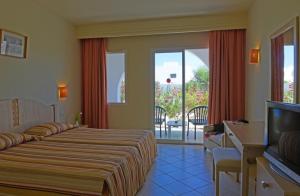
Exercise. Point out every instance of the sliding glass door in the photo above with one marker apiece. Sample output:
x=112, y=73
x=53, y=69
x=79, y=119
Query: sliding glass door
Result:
x=181, y=86
x=196, y=93
x=169, y=90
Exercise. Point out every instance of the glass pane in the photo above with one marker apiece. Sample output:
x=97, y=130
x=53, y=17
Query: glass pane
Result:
x=115, y=63
x=168, y=95
x=196, y=90
x=289, y=87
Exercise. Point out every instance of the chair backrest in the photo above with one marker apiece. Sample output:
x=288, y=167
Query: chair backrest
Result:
x=160, y=114
x=200, y=114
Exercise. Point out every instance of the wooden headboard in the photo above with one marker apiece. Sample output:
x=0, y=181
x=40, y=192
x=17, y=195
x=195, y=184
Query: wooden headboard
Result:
x=17, y=114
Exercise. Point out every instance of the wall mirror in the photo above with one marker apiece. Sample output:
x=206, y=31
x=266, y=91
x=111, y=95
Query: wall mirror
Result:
x=285, y=63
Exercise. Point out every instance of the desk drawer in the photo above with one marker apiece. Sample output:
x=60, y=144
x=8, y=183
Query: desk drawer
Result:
x=265, y=184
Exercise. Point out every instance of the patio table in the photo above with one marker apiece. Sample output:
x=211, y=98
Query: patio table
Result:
x=173, y=123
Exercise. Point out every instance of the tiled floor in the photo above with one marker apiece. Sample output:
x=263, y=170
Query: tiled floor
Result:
x=184, y=170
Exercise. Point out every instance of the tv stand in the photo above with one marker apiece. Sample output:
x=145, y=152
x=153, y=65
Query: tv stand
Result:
x=282, y=174
x=269, y=182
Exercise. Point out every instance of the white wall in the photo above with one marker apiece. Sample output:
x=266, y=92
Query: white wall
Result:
x=53, y=57
x=265, y=17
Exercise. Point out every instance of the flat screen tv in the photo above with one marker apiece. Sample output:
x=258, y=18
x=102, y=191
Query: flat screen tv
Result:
x=283, y=138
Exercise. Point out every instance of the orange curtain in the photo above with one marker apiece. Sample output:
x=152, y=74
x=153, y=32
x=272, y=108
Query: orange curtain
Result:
x=277, y=76
x=94, y=84
x=227, y=75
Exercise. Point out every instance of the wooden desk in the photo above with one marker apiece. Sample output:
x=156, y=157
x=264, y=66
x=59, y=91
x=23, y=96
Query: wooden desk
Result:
x=249, y=139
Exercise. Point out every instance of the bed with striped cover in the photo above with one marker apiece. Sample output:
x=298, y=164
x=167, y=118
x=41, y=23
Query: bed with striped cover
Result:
x=79, y=161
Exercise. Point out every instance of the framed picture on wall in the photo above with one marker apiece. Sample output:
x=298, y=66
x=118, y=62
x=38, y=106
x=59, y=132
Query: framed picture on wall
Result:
x=13, y=44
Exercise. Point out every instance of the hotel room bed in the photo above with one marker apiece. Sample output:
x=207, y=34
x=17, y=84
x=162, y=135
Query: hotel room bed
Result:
x=78, y=161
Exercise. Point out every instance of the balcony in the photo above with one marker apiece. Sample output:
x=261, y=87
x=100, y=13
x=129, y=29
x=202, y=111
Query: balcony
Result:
x=175, y=133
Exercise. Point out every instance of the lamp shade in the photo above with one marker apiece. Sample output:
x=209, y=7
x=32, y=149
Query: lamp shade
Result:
x=62, y=92
x=254, y=56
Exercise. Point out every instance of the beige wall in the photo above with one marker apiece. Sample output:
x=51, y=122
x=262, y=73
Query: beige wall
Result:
x=265, y=17
x=139, y=39
x=137, y=112
x=53, y=57
x=164, y=25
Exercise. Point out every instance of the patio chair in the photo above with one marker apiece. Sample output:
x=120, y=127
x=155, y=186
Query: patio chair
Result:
x=197, y=116
x=160, y=118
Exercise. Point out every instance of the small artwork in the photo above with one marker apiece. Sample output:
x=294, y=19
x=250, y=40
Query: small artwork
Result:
x=13, y=44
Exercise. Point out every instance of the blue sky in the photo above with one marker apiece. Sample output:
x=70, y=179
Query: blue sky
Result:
x=289, y=63
x=170, y=63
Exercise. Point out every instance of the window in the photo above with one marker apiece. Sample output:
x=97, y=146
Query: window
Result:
x=115, y=63
x=289, y=65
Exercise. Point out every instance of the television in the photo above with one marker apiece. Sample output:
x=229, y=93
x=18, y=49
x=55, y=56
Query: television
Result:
x=282, y=129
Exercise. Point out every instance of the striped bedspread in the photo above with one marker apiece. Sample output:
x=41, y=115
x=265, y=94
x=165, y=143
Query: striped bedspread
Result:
x=80, y=162
x=142, y=140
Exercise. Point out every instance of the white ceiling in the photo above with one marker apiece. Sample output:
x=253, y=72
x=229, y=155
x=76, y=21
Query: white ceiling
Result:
x=91, y=11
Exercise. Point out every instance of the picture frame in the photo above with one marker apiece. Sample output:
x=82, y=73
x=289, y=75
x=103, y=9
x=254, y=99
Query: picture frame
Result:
x=13, y=44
